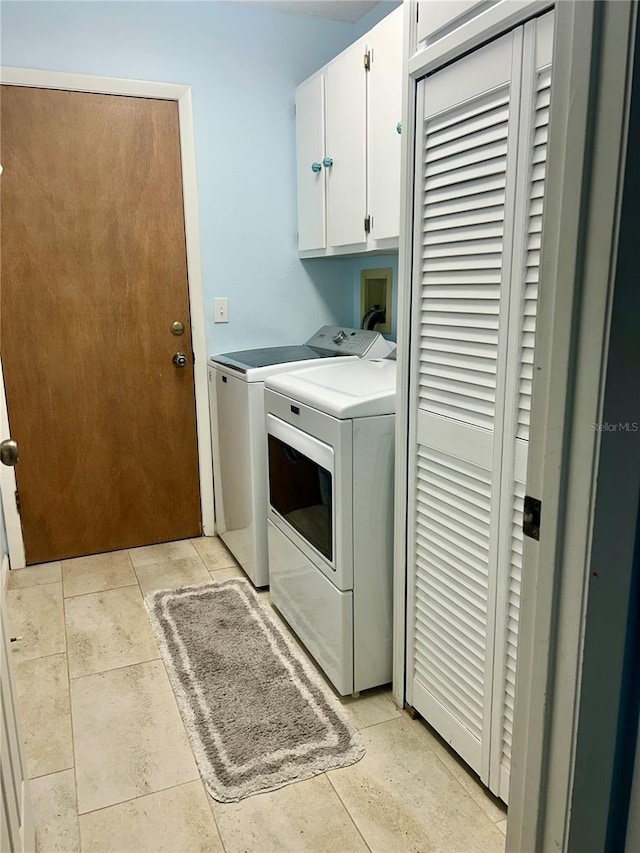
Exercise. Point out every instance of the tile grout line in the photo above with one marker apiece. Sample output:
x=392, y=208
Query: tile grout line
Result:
x=135, y=574
x=211, y=574
x=210, y=800
x=65, y=652
x=453, y=776
x=164, y=668
x=97, y=591
x=33, y=585
x=49, y=772
x=493, y=823
x=378, y=722
x=114, y=668
x=139, y=797
x=19, y=661
x=344, y=806
x=73, y=737
x=166, y=559
x=200, y=779
x=125, y=666
x=469, y=776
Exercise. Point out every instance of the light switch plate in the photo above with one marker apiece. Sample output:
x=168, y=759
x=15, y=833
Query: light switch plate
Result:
x=220, y=309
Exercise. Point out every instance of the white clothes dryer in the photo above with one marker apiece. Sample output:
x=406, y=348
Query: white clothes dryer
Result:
x=330, y=434
x=236, y=396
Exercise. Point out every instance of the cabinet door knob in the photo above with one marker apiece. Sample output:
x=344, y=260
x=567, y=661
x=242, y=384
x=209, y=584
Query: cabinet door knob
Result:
x=327, y=162
x=399, y=127
x=315, y=167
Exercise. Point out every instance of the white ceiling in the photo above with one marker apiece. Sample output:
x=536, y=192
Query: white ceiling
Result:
x=348, y=11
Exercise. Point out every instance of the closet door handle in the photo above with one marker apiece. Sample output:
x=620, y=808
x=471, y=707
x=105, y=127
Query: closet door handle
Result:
x=315, y=167
x=399, y=127
x=327, y=162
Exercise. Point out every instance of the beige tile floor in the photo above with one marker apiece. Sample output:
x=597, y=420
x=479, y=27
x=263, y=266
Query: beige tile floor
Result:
x=109, y=759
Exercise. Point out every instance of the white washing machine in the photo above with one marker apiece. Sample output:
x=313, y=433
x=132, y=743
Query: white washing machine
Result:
x=330, y=433
x=236, y=395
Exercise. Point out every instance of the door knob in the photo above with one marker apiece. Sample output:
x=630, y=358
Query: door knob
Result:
x=316, y=167
x=180, y=359
x=9, y=452
x=327, y=162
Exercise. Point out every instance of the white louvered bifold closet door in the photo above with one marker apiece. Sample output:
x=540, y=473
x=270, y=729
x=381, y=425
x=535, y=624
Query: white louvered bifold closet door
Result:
x=532, y=156
x=480, y=166
x=466, y=161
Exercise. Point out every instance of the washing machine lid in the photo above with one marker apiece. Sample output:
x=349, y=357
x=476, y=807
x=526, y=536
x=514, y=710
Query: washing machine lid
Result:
x=244, y=360
x=327, y=342
x=350, y=389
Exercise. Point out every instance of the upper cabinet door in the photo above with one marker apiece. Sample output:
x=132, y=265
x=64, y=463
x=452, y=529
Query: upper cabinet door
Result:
x=346, y=147
x=385, y=109
x=311, y=172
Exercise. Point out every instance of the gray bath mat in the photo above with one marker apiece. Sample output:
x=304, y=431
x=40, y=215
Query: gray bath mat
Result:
x=257, y=714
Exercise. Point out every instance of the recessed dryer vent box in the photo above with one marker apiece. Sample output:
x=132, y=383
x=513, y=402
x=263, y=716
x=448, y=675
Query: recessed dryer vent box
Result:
x=375, y=291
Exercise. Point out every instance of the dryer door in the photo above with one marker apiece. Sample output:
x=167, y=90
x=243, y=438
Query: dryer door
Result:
x=301, y=487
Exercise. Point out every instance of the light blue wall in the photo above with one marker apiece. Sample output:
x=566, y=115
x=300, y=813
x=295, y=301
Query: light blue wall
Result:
x=379, y=11
x=243, y=64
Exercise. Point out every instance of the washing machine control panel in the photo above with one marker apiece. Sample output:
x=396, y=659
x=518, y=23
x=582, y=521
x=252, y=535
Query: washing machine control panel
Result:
x=356, y=342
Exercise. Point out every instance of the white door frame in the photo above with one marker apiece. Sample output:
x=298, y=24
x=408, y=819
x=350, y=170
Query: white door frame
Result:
x=182, y=95
x=12, y=525
x=582, y=211
x=568, y=682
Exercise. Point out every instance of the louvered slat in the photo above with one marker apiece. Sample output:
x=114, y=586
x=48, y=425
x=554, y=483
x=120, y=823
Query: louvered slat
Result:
x=512, y=616
x=453, y=502
x=464, y=177
x=532, y=260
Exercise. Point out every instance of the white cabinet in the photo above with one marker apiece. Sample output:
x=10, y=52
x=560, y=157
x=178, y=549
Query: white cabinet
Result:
x=309, y=154
x=481, y=127
x=384, y=44
x=348, y=147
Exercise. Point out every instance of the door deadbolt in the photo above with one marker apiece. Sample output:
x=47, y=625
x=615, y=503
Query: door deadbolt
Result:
x=180, y=359
x=177, y=328
x=9, y=452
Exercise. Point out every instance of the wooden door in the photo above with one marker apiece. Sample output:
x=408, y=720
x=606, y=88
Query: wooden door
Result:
x=93, y=275
x=310, y=171
x=346, y=116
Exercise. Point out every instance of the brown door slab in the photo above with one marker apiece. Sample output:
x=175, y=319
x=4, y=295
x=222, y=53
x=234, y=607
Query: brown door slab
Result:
x=93, y=274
